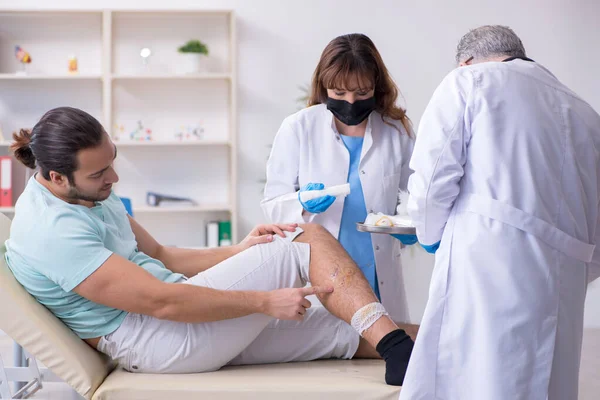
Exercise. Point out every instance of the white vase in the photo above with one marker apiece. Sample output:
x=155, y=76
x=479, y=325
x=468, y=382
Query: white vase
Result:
x=192, y=63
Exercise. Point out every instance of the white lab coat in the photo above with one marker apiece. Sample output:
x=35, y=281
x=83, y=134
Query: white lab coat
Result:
x=507, y=176
x=308, y=148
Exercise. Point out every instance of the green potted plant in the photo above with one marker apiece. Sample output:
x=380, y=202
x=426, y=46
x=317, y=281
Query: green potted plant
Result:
x=193, y=55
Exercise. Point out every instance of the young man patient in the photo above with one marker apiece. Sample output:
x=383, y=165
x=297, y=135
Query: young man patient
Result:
x=157, y=309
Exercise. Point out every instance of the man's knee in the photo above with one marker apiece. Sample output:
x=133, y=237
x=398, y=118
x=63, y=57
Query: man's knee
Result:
x=311, y=231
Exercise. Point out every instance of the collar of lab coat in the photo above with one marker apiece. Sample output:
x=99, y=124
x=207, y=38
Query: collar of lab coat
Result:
x=517, y=58
x=533, y=64
x=368, y=139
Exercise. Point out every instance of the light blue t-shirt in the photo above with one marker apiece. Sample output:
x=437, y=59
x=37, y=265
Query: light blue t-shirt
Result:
x=54, y=246
x=357, y=244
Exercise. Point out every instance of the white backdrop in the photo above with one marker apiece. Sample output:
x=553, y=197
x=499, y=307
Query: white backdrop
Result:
x=280, y=43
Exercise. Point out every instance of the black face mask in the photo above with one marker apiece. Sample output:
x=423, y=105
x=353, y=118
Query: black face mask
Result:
x=351, y=113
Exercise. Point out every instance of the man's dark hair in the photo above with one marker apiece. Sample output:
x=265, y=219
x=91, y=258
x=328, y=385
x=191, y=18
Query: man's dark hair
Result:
x=53, y=143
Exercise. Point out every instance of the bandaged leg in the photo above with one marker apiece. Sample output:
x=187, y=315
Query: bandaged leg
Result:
x=367, y=316
x=353, y=300
x=395, y=347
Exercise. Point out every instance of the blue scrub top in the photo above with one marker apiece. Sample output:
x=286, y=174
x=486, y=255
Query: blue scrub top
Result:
x=357, y=244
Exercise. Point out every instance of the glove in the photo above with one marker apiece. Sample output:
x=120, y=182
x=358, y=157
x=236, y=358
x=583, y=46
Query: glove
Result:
x=432, y=248
x=406, y=240
x=319, y=204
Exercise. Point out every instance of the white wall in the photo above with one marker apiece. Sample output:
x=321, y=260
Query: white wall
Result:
x=280, y=43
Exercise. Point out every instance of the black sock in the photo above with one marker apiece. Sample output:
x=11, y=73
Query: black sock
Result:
x=395, y=348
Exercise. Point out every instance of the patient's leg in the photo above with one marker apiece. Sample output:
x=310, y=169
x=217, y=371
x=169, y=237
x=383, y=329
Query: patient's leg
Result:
x=330, y=265
x=411, y=329
x=365, y=350
x=319, y=335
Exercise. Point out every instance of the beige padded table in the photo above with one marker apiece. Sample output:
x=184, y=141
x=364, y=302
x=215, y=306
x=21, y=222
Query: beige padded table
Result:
x=94, y=377
x=326, y=379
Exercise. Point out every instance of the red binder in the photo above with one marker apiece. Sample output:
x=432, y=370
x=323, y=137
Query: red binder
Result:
x=6, y=181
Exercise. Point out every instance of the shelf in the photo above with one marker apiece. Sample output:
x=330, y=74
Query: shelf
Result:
x=182, y=209
x=48, y=77
x=167, y=12
x=29, y=13
x=160, y=210
x=116, y=88
x=205, y=76
x=170, y=143
x=198, y=143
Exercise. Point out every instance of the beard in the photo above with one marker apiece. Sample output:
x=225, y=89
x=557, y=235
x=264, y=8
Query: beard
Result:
x=76, y=194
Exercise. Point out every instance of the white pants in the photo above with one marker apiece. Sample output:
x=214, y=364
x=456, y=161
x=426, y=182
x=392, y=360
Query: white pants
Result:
x=146, y=344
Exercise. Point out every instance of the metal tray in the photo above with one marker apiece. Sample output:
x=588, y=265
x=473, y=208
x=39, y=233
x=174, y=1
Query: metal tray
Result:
x=399, y=230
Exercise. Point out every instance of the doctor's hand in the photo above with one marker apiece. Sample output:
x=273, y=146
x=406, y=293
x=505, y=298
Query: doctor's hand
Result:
x=290, y=303
x=406, y=240
x=319, y=204
x=264, y=234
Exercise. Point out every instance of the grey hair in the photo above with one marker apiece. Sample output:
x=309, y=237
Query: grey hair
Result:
x=489, y=41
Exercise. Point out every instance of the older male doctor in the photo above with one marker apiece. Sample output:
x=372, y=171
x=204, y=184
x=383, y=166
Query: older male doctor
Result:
x=507, y=184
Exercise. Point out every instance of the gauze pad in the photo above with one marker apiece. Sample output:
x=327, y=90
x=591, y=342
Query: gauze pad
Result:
x=367, y=316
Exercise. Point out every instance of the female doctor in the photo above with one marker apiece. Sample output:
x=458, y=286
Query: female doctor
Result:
x=351, y=132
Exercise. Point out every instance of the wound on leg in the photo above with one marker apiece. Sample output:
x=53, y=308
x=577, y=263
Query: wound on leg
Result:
x=335, y=273
x=347, y=276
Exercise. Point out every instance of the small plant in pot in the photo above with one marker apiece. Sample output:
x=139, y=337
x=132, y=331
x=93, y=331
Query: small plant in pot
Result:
x=193, y=55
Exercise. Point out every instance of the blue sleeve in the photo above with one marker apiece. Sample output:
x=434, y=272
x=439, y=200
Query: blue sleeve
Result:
x=73, y=248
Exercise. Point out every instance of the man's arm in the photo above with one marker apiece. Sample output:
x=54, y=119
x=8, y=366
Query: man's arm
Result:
x=121, y=284
x=191, y=262
x=188, y=262
x=74, y=257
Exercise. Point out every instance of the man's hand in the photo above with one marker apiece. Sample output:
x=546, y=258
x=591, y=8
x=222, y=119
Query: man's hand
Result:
x=291, y=303
x=264, y=234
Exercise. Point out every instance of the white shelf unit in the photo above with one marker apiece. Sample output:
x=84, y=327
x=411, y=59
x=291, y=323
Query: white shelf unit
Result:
x=174, y=143
x=48, y=77
x=116, y=87
x=183, y=209
x=200, y=143
x=206, y=76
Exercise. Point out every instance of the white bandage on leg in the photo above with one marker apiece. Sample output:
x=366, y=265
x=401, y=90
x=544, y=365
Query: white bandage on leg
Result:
x=367, y=316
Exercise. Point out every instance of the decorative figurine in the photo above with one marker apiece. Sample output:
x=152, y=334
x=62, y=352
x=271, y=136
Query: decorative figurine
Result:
x=141, y=134
x=73, y=68
x=118, y=132
x=154, y=199
x=23, y=57
x=189, y=133
x=145, y=53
